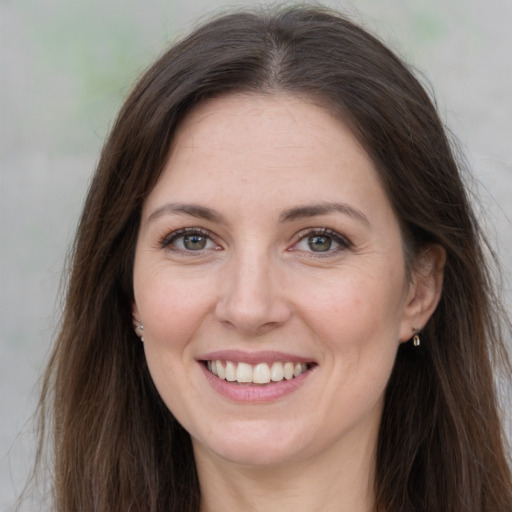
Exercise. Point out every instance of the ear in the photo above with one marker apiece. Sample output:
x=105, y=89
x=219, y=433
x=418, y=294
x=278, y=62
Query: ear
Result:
x=135, y=312
x=425, y=287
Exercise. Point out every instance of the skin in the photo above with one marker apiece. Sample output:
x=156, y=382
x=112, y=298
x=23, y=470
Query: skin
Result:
x=257, y=285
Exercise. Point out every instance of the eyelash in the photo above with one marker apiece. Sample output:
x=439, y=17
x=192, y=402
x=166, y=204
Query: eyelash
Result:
x=343, y=243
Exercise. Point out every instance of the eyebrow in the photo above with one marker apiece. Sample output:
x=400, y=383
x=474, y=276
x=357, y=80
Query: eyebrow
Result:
x=315, y=210
x=291, y=214
x=194, y=210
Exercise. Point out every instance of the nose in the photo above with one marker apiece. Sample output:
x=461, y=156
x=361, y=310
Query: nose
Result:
x=251, y=297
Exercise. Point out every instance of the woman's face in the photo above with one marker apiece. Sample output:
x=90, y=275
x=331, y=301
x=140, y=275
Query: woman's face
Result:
x=269, y=247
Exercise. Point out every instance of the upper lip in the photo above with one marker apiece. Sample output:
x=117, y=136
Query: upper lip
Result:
x=268, y=356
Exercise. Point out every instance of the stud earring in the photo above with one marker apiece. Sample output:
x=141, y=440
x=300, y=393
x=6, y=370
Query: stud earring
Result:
x=139, y=331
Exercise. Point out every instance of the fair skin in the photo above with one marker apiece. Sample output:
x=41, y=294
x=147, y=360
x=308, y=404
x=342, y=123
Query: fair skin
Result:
x=268, y=241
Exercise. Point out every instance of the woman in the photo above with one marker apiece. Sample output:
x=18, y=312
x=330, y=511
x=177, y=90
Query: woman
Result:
x=278, y=297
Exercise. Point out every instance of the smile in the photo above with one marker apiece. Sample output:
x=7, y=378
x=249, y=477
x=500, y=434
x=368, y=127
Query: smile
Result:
x=260, y=373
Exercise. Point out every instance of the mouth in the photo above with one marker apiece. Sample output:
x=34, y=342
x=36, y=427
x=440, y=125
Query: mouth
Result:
x=260, y=373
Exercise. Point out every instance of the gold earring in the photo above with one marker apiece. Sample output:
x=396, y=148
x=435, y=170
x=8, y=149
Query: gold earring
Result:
x=416, y=340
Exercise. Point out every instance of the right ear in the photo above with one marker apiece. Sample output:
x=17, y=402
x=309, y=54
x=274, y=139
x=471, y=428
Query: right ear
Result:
x=135, y=313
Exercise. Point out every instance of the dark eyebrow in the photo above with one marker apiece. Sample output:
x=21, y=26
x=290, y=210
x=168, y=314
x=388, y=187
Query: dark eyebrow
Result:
x=298, y=212
x=313, y=210
x=194, y=210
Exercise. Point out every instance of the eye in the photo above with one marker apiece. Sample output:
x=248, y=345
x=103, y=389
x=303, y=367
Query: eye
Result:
x=194, y=242
x=321, y=241
x=189, y=240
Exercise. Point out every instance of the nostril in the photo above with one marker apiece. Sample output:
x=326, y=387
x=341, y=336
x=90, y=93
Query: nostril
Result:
x=249, y=299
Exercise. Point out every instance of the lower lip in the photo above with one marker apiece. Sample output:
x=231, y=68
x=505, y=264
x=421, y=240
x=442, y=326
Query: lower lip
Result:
x=255, y=393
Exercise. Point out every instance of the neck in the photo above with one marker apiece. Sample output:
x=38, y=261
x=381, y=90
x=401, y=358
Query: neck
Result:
x=340, y=480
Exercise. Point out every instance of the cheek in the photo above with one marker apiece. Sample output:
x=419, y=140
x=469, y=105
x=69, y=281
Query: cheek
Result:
x=172, y=308
x=173, y=313
x=358, y=323
x=355, y=309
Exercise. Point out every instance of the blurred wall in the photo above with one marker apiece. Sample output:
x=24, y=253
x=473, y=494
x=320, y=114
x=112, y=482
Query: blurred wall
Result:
x=64, y=70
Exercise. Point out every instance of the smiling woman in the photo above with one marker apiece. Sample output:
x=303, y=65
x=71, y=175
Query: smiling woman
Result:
x=307, y=280
x=269, y=279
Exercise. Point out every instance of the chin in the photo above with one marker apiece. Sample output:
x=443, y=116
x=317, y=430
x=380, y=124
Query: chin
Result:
x=253, y=456
x=254, y=445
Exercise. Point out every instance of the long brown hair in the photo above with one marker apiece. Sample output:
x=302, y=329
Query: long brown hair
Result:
x=441, y=446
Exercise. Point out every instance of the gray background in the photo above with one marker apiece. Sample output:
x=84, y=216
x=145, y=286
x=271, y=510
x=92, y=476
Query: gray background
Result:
x=64, y=69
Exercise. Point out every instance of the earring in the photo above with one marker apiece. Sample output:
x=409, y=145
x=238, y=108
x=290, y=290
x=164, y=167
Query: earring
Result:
x=416, y=340
x=140, y=328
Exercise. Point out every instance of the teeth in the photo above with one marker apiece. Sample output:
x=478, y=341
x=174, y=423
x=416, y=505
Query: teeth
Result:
x=230, y=371
x=297, y=370
x=277, y=372
x=244, y=372
x=212, y=366
x=260, y=373
x=288, y=371
x=221, y=372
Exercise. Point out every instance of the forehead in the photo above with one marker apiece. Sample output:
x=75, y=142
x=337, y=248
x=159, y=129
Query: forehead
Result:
x=284, y=144
x=276, y=123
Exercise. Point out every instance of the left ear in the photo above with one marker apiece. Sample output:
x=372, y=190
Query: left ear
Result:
x=425, y=287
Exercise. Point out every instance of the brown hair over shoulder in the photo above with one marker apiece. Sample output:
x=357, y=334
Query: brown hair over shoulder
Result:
x=441, y=447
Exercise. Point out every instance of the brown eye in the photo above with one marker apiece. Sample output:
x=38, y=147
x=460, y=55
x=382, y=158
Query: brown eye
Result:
x=194, y=242
x=319, y=243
